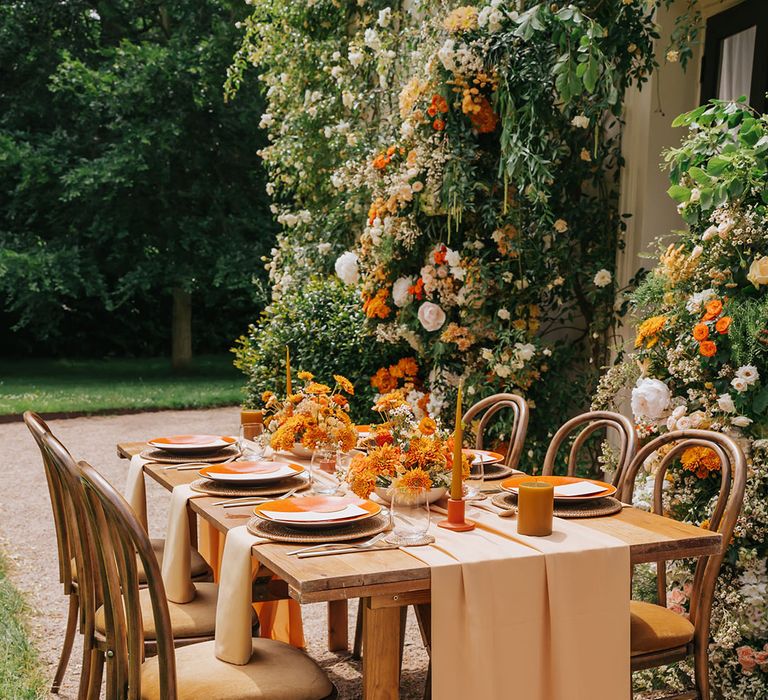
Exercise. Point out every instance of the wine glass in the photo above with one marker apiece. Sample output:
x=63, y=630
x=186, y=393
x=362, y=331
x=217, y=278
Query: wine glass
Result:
x=473, y=484
x=409, y=513
x=322, y=468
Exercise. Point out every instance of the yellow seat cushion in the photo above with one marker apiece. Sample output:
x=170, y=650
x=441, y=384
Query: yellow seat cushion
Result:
x=276, y=671
x=653, y=628
x=199, y=566
x=194, y=619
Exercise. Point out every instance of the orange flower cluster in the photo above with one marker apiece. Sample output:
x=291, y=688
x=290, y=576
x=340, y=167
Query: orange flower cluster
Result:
x=702, y=330
x=381, y=161
x=417, y=290
x=649, y=331
x=387, y=379
x=484, y=119
x=376, y=306
x=702, y=461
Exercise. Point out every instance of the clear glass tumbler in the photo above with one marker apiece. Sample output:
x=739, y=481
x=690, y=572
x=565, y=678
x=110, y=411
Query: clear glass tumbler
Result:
x=473, y=484
x=410, y=513
x=322, y=471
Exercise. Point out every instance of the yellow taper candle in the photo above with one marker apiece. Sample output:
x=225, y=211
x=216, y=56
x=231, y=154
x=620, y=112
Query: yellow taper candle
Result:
x=456, y=489
x=288, y=387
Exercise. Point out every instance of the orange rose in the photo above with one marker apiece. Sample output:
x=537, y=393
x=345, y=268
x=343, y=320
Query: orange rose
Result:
x=438, y=125
x=714, y=309
x=701, y=331
x=723, y=324
x=707, y=348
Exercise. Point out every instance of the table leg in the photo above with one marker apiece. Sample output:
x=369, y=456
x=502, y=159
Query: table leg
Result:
x=338, y=622
x=381, y=652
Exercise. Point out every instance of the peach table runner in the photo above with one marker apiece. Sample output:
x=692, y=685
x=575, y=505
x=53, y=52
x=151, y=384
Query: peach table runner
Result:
x=528, y=617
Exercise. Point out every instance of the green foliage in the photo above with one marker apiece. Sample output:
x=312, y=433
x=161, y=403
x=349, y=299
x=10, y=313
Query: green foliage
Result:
x=20, y=675
x=322, y=324
x=749, y=331
x=123, y=173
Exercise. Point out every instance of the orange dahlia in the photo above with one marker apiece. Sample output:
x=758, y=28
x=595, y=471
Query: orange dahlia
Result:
x=714, y=309
x=702, y=461
x=723, y=325
x=415, y=479
x=701, y=331
x=707, y=348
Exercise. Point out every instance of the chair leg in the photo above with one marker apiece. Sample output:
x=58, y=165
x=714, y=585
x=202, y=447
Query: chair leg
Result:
x=357, y=646
x=66, y=647
x=86, y=670
x=97, y=672
x=701, y=670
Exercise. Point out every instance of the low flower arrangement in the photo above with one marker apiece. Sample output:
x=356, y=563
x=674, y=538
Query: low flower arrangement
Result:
x=409, y=454
x=317, y=414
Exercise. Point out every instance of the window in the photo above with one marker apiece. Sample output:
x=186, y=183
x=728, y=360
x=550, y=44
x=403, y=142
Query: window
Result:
x=736, y=55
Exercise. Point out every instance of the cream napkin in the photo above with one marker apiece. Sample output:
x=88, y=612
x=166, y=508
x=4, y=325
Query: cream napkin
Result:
x=135, y=489
x=176, y=568
x=234, y=622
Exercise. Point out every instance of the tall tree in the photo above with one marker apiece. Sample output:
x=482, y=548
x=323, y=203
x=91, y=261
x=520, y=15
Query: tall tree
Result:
x=124, y=177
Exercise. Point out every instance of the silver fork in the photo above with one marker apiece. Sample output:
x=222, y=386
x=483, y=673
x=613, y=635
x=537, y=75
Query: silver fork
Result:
x=343, y=545
x=196, y=465
x=254, y=501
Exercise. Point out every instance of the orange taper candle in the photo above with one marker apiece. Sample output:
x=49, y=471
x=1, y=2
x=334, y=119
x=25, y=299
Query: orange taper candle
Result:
x=288, y=387
x=456, y=489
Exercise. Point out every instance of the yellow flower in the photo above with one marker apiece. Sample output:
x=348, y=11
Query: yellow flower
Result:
x=305, y=376
x=427, y=426
x=462, y=19
x=344, y=383
x=424, y=452
x=316, y=388
x=702, y=461
x=649, y=330
x=414, y=479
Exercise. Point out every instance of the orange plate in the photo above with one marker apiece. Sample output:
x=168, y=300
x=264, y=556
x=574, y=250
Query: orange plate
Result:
x=192, y=440
x=514, y=481
x=249, y=468
x=319, y=504
x=492, y=457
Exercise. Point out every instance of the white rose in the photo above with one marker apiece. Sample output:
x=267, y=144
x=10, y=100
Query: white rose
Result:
x=739, y=384
x=697, y=418
x=400, y=294
x=503, y=314
x=650, y=398
x=502, y=371
x=580, y=122
x=347, y=269
x=696, y=301
x=602, y=278
x=725, y=403
x=758, y=271
x=452, y=258
x=525, y=352
x=431, y=316
x=741, y=421
x=683, y=423
x=748, y=373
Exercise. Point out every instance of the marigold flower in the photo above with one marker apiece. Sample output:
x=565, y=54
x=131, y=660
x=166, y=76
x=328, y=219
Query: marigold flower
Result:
x=383, y=381
x=305, y=376
x=714, y=309
x=427, y=426
x=707, y=348
x=423, y=452
x=408, y=366
x=649, y=330
x=701, y=331
x=702, y=461
x=344, y=383
x=317, y=388
x=723, y=325
x=415, y=479
x=376, y=306
x=484, y=119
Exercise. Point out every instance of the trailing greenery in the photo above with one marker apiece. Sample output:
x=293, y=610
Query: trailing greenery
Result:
x=52, y=386
x=20, y=675
x=124, y=174
x=322, y=324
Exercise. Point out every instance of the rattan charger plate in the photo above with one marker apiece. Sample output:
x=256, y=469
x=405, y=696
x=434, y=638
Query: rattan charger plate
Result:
x=163, y=457
x=492, y=472
x=280, y=532
x=276, y=488
x=578, y=509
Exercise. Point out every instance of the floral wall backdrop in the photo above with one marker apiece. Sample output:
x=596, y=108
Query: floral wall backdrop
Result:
x=458, y=165
x=701, y=361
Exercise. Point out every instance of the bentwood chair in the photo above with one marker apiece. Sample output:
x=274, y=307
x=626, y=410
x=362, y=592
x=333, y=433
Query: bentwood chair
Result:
x=588, y=424
x=276, y=671
x=191, y=622
x=66, y=524
x=484, y=411
x=660, y=636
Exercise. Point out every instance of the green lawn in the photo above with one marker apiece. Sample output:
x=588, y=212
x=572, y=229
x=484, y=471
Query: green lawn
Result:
x=20, y=674
x=50, y=386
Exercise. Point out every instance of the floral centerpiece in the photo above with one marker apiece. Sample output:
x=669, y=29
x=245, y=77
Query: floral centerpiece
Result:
x=316, y=415
x=408, y=453
x=701, y=361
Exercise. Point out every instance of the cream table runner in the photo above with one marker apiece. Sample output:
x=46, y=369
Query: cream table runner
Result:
x=136, y=490
x=528, y=618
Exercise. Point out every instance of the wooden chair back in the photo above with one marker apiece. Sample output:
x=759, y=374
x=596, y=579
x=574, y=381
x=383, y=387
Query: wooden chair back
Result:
x=589, y=423
x=733, y=479
x=118, y=538
x=487, y=408
x=61, y=520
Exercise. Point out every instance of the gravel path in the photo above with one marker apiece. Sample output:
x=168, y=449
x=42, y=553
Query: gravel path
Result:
x=27, y=535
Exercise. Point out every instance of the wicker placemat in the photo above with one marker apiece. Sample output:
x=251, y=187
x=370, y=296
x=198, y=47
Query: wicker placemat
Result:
x=492, y=472
x=578, y=509
x=164, y=457
x=276, y=488
x=404, y=542
x=280, y=532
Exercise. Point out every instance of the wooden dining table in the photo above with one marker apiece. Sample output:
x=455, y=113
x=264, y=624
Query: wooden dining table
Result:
x=390, y=580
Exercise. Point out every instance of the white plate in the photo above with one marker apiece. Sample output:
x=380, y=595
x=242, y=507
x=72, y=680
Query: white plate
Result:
x=222, y=473
x=192, y=444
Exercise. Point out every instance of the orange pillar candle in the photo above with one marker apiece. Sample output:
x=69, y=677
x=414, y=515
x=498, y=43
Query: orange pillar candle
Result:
x=288, y=387
x=535, y=505
x=456, y=489
x=252, y=422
